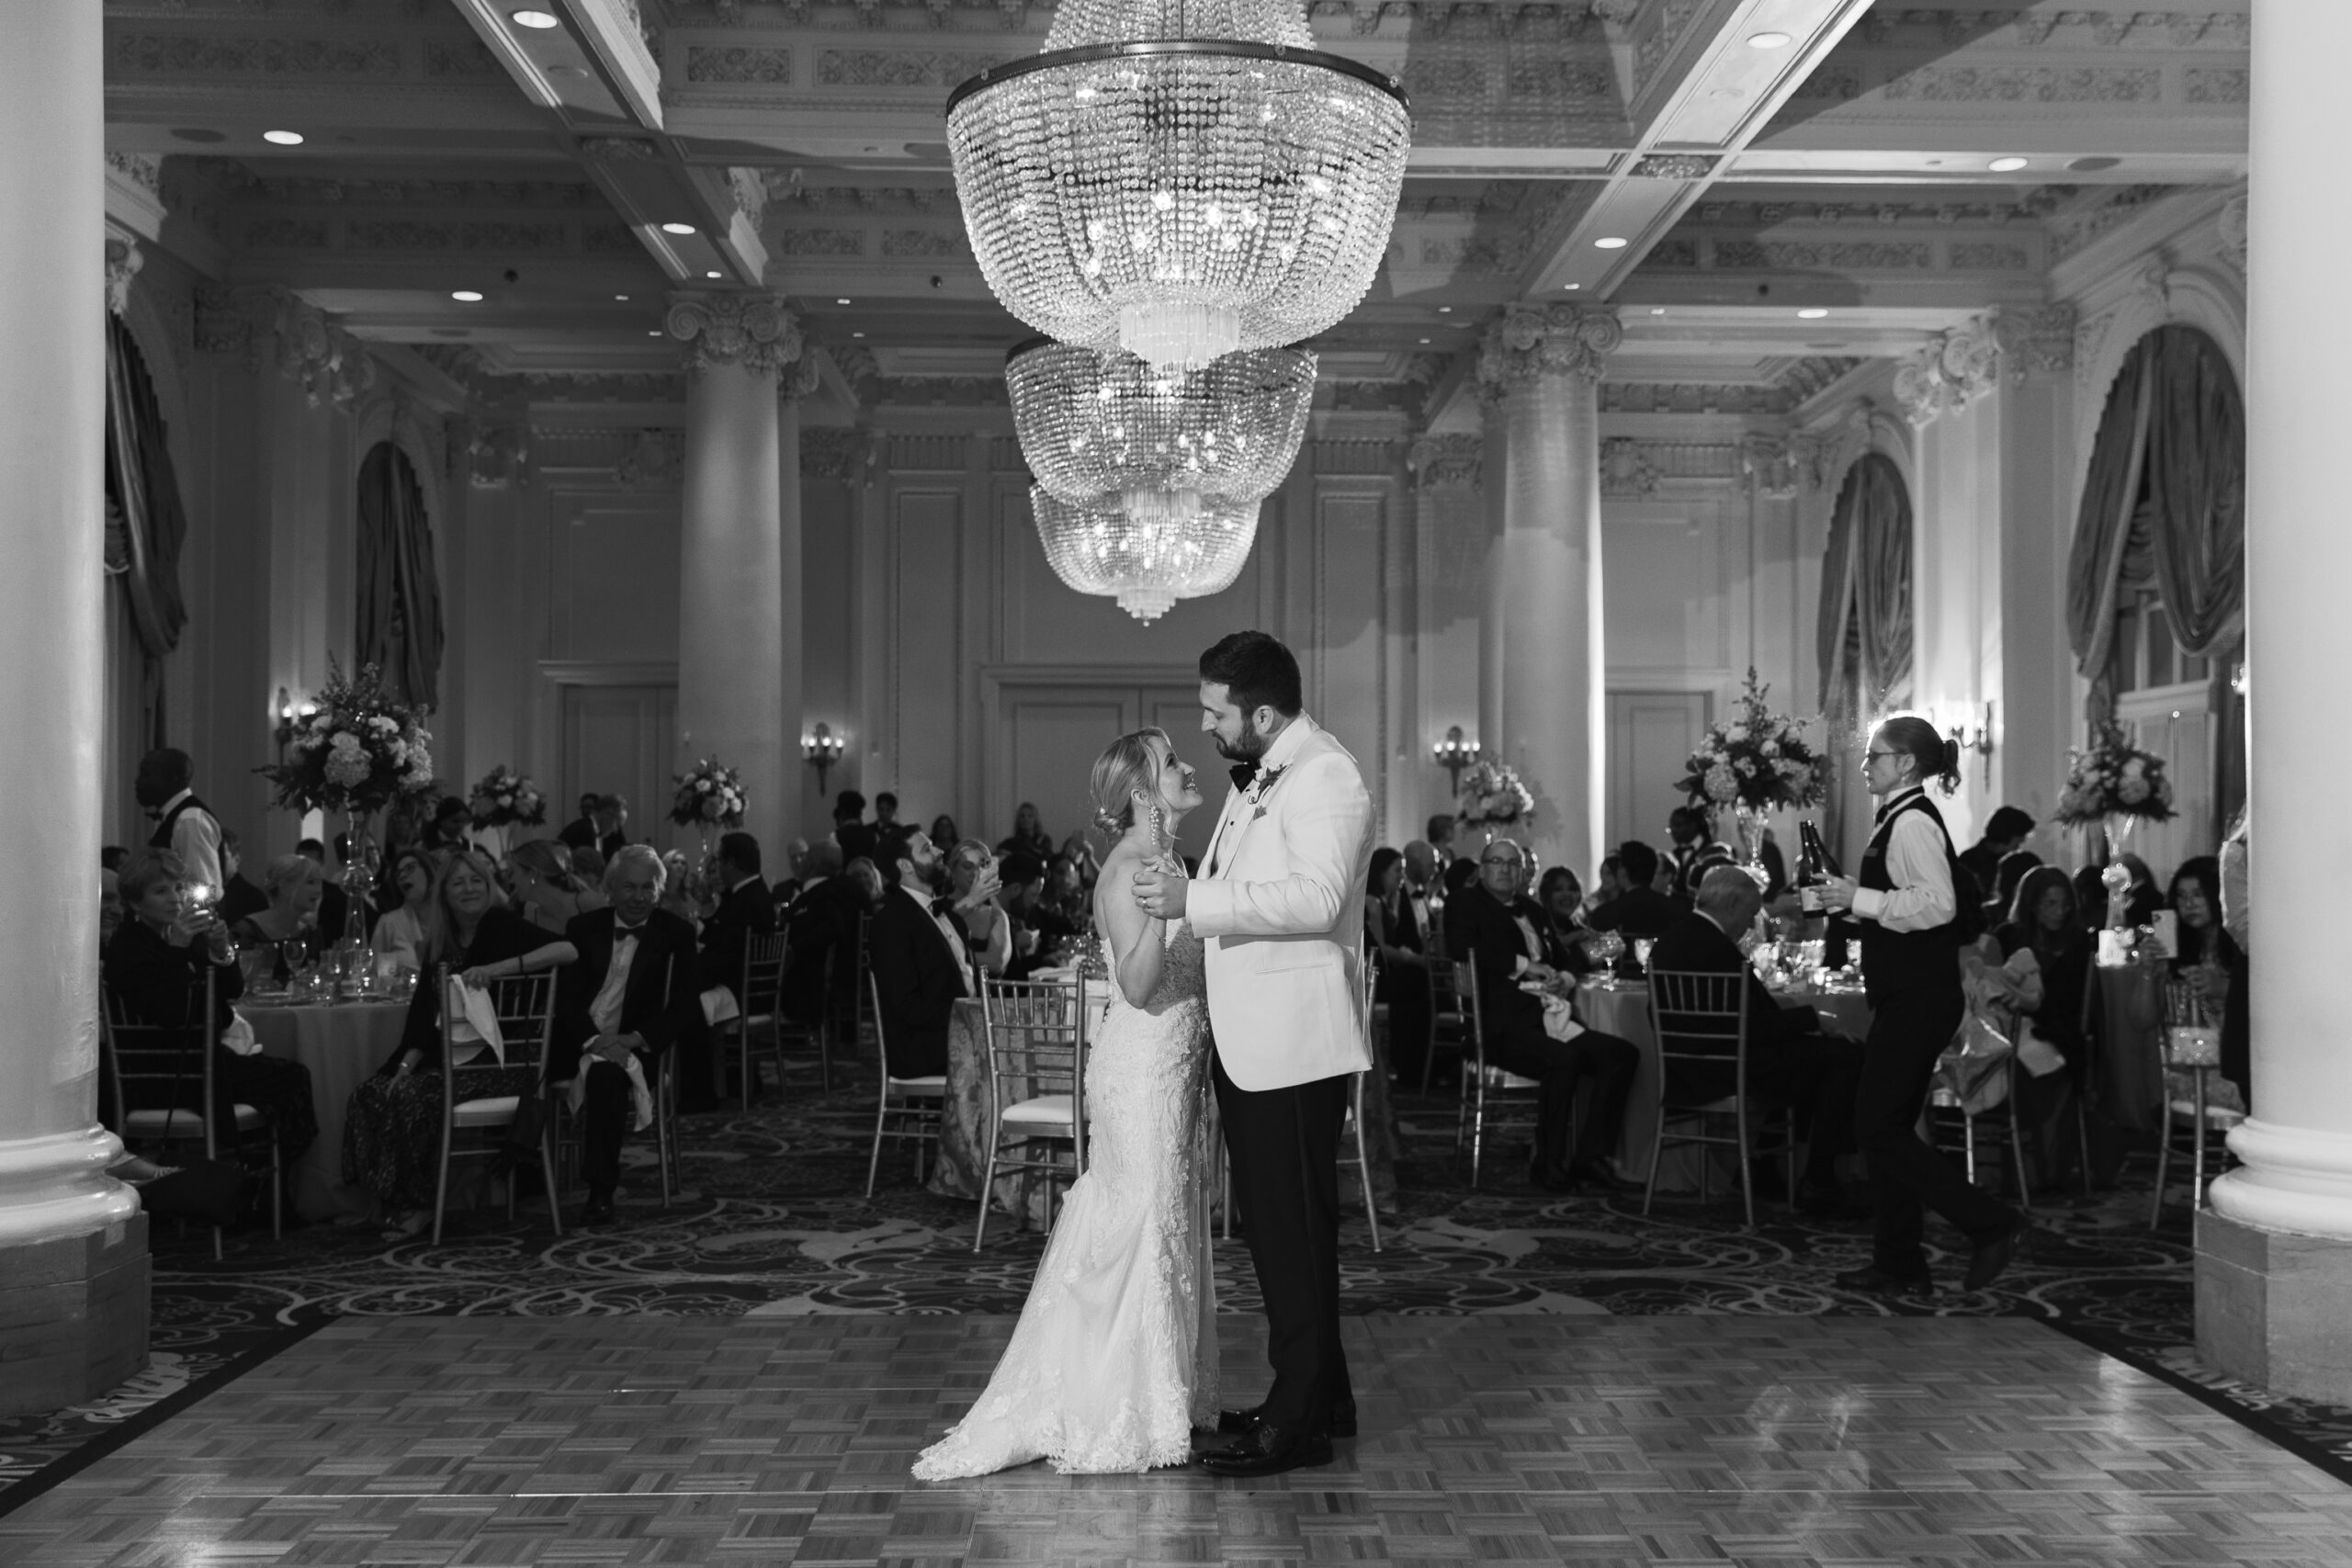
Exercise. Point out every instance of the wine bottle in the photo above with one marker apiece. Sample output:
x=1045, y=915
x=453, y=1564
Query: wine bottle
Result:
x=1812, y=866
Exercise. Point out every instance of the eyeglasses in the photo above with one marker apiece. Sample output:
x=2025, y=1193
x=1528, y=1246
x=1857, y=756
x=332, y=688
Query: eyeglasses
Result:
x=1876, y=756
x=1510, y=860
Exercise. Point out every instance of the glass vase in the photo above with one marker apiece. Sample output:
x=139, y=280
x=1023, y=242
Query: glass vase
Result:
x=352, y=960
x=1752, y=820
x=2117, y=877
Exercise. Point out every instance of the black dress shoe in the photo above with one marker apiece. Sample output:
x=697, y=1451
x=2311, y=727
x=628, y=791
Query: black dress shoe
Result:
x=1876, y=1282
x=596, y=1212
x=1268, y=1450
x=1240, y=1422
x=1991, y=1256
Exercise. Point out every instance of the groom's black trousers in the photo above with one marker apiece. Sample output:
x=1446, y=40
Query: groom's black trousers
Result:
x=1284, y=1145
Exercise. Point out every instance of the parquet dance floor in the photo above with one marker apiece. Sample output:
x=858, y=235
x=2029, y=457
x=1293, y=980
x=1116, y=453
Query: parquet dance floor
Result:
x=1584, y=1439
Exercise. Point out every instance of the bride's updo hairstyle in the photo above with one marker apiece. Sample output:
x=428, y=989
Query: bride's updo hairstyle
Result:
x=1933, y=756
x=1127, y=765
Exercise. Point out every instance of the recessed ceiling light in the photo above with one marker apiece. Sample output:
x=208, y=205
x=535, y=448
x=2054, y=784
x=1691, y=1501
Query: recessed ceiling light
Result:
x=1424, y=340
x=857, y=334
x=622, y=297
x=841, y=301
x=1657, y=310
x=1811, y=313
x=1609, y=242
x=1445, y=310
x=654, y=335
x=283, y=138
x=1767, y=40
x=713, y=274
x=466, y=296
x=2006, y=165
x=1572, y=286
x=677, y=228
x=533, y=19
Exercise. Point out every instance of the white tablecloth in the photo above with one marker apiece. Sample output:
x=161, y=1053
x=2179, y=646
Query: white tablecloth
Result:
x=343, y=1046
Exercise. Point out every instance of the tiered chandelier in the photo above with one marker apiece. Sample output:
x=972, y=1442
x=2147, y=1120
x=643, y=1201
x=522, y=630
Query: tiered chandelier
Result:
x=1182, y=179
x=1146, y=564
x=1106, y=431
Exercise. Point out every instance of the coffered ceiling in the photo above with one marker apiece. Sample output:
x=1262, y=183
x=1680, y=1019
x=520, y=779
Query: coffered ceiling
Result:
x=1756, y=157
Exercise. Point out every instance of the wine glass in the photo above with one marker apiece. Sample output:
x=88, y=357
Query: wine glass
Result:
x=1642, y=946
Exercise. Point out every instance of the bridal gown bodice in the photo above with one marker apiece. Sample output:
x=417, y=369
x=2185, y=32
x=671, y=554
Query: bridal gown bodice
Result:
x=1115, y=1358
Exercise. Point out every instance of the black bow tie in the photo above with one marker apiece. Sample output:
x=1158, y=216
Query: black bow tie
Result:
x=620, y=930
x=942, y=905
x=1245, y=773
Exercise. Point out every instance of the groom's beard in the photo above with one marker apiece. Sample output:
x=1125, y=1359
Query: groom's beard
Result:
x=1249, y=748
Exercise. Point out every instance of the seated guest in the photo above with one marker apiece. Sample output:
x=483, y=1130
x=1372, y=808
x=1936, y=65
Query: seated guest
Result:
x=612, y=826
x=239, y=897
x=1639, y=908
x=944, y=830
x=2042, y=921
x=546, y=887
x=2006, y=832
x=681, y=893
x=2209, y=955
x=788, y=887
x=391, y=1130
x=1035, y=929
x=155, y=965
x=820, y=922
x=401, y=931
x=917, y=955
x=1438, y=832
x=850, y=829
x=1790, y=1062
x=1079, y=850
x=588, y=876
x=1562, y=927
x=1458, y=878
x=1691, y=832
x=629, y=997
x=452, y=825
x=295, y=887
x=2090, y=898
x=2003, y=889
x=2143, y=898
x=1495, y=925
x=1028, y=832
x=973, y=883
x=1393, y=934
x=581, y=832
x=334, y=906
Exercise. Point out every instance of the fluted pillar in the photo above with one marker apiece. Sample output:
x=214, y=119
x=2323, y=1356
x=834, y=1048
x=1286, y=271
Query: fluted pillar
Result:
x=797, y=381
x=1450, y=526
x=1540, y=371
x=731, y=701
x=73, y=1248
x=2273, y=1259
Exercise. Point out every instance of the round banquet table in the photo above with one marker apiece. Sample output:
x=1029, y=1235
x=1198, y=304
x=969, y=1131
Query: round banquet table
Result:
x=343, y=1044
x=1623, y=1007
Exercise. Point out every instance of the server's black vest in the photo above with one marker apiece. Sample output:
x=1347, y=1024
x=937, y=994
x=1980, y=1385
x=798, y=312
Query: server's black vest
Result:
x=1906, y=964
x=163, y=836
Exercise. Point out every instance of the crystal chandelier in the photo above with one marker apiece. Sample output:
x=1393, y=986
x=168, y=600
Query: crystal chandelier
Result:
x=1102, y=429
x=1146, y=563
x=1179, y=179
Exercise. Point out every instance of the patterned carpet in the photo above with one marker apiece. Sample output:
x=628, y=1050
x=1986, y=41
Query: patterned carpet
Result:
x=776, y=1223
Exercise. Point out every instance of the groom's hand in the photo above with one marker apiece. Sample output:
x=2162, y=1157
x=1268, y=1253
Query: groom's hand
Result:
x=1162, y=895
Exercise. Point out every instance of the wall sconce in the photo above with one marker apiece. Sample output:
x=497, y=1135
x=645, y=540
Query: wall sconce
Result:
x=1453, y=755
x=821, y=748
x=2237, y=677
x=291, y=717
x=1979, y=740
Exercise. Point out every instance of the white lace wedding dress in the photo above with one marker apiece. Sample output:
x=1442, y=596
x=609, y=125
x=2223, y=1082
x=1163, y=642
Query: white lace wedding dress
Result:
x=1115, y=1358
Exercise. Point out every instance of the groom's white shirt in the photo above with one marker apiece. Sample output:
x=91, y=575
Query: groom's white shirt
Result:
x=1279, y=909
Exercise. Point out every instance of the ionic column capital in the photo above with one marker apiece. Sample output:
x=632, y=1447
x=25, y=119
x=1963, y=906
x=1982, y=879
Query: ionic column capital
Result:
x=757, y=332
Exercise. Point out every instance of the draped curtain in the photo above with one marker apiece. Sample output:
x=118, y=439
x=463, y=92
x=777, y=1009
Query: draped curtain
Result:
x=143, y=510
x=399, y=624
x=1864, y=636
x=2163, y=502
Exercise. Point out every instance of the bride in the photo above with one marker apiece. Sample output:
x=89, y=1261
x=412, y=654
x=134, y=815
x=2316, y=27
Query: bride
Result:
x=1114, y=1362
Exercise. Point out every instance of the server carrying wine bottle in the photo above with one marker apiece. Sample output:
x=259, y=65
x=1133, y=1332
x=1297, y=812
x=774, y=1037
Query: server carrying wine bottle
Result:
x=1911, y=920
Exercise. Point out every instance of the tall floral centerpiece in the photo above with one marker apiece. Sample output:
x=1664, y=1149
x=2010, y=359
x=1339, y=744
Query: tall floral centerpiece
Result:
x=1492, y=797
x=360, y=752
x=710, y=800
x=2114, y=786
x=1757, y=762
x=501, y=801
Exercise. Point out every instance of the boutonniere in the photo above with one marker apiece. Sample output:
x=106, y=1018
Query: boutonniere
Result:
x=1265, y=781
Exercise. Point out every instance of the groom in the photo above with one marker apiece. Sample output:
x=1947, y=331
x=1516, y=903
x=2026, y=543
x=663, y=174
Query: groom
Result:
x=1278, y=908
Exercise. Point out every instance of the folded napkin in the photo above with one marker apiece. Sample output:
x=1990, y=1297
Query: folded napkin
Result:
x=473, y=1020
x=1560, y=1019
x=718, y=1006
x=640, y=1099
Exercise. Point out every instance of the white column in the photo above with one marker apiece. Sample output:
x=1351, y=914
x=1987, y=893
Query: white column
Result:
x=64, y=1223
x=1543, y=363
x=1450, y=523
x=796, y=383
x=2274, y=1267
x=732, y=574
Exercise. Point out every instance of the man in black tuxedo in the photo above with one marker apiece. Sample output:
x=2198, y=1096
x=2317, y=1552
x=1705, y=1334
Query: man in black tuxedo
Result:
x=1494, y=924
x=745, y=909
x=820, y=921
x=1639, y=908
x=581, y=832
x=611, y=825
x=1790, y=1061
x=239, y=897
x=916, y=956
x=630, y=995
x=786, y=888
x=851, y=830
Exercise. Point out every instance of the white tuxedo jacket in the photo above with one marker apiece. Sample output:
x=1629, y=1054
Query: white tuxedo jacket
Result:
x=1279, y=909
